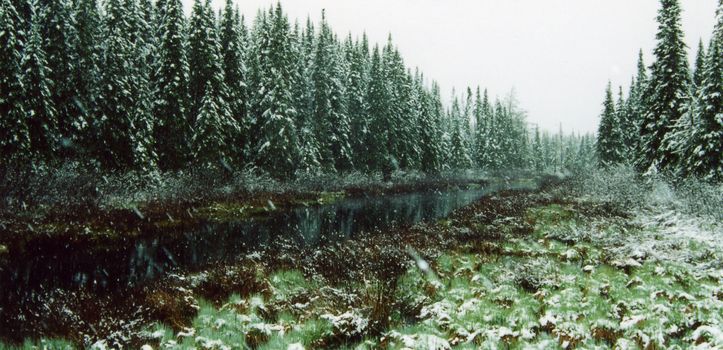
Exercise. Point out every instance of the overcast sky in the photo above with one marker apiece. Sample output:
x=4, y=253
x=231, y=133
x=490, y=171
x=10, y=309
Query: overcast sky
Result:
x=557, y=54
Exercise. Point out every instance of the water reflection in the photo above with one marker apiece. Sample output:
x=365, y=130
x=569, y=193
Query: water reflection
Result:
x=61, y=264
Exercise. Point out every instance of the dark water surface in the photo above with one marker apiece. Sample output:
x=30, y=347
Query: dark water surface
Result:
x=66, y=264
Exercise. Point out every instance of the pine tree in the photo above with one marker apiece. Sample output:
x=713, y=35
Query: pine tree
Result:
x=430, y=133
x=86, y=72
x=202, y=47
x=699, y=65
x=41, y=113
x=277, y=149
x=172, y=132
x=61, y=49
x=214, y=125
x=303, y=92
x=234, y=72
x=14, y=134
x=115, y=149
x=701, y=153
x=459, y=157
x=329, y=102
x=480, y=128
x=608, y=146
x=379, y=119
x=395, y=75
x=622, y=126
x=357, y=54
x=143, y=57
x=667, y=91
x=636, y=106
x=537, y=152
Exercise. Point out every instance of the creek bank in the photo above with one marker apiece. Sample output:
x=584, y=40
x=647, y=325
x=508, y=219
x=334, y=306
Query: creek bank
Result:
x=382, y=256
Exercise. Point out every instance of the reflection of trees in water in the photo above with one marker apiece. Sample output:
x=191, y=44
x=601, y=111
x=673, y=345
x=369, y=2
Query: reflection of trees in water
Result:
x=130, y=262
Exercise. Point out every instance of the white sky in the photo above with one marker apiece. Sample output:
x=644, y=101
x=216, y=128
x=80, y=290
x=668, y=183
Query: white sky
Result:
x=557, y=54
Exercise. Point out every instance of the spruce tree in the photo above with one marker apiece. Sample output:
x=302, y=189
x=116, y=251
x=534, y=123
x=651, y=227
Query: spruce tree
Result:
x=699, y=68
x=303, y=91
x=702, y=152
x=114, y=149
x=277, y=149
x=202, y=48
x=214, y=125
x=357, y=55
x=459, y=157
x=430, y=134
x=329, y=102
x=234, y=72
x=667, y=91
x=124, y=122
x=41, y=113
x=61, y=49
x=379, y=120
x=14, y=134
x=86, y=72
x=622, y=126
x=608, y=142
x=172, y=133
x=480, y=128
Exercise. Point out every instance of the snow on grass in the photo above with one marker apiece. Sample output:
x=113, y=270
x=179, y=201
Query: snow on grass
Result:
x=575, y=282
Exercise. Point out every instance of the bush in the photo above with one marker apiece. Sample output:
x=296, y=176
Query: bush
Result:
x=622, y=186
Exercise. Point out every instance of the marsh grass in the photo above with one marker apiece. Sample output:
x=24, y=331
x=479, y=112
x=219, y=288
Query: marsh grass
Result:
x=576, y=280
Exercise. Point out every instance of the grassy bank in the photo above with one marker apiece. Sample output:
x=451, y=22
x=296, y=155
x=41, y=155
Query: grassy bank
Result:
x=557, y=268
x=74, y=203
x=566, y=284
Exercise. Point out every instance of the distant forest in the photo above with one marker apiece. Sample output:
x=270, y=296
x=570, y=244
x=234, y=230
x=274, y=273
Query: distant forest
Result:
x=132, y=85
x=672, y=117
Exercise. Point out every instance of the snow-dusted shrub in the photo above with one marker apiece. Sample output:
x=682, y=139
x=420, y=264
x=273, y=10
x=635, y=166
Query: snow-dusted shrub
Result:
x=619, y=184
x=702, y=198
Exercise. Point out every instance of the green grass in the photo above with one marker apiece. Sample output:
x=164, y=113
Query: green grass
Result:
x=549, y=290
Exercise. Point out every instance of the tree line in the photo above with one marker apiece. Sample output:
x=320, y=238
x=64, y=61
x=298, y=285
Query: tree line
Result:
x=136, y=85
x=671, y=119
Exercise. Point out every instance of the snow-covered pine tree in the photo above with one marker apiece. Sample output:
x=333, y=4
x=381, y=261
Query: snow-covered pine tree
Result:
x=480, y=129
x=699, y=68
x=468, y=118
x=494, y=152
x=329, y=102
x=234, y=72
x=277, y=149
x=41, y=113
x=430, y=134
x=303, y=92
x=410, y=156
x=608, y=145
x=486, y=141
x=667, y=90
x=702, y=152
x=357, y=87
x=14, y=135
x=202, y=42
x=61, y=49
x=636, y=107
x=394, y=72
x=379, y=119
x=538, y=161
x=116, y=103
x=172, y=133
x=86, y=71
x=214, y=127
x=459, y=156
x=142, y=59
x=622, y=126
